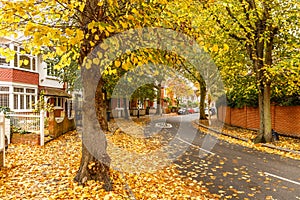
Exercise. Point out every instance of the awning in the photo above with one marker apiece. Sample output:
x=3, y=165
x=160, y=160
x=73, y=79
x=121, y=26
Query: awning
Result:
x=55, y=93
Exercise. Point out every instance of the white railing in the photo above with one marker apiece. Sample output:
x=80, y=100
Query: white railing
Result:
x=31, y=122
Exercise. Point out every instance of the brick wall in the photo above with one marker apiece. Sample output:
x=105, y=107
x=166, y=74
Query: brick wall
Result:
x=252, y=118
x=19, y=76
x=57, y=129
x=31, y=139
x=6, y=74
x=285, y=119
x=239, y=117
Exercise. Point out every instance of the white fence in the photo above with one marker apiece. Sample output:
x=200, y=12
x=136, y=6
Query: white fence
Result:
x=24, y=122
x=31, y=122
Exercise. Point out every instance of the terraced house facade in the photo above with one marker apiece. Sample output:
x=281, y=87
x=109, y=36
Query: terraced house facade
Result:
x=25, y=77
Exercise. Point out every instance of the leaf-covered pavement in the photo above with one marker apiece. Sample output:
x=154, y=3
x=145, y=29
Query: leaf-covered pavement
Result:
x=34, y=172
x=286, y=142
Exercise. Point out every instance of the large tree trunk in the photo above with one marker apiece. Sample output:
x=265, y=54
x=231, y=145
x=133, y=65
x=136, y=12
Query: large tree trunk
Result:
x=264, y=47
x=260, y=136
x=267, y=114
x=271, y=31
x=126, y=115
x=202, y=101
x=93, y=169
x=264, y=103
x=95, y=161
x=158, y=110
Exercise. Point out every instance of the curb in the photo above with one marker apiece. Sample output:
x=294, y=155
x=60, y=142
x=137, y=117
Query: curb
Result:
x=246, y=140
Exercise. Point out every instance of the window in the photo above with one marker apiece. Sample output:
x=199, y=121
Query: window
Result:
x=4, y=100
x=4, y=96
x=119, y=103
x=4, y=89
x=51, y=71
x=58, y=102
x=2, y=58
x=23, y=60
x=3, y=61
x=24, y=98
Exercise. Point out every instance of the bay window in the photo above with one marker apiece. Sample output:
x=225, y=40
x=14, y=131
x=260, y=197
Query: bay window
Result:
x=24, y=98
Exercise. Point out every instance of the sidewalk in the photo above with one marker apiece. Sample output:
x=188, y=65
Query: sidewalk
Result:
x=286, y=146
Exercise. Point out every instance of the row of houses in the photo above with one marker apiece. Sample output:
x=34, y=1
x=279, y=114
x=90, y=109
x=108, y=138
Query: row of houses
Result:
x=21, y=84
x=25, y=77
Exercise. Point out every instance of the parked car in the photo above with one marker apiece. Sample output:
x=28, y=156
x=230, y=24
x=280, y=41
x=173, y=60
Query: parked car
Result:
x=182, y=111
x=191, y=110
x=196, y=110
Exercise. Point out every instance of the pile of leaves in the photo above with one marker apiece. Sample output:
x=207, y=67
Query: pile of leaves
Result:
x=34, y=172
x=130, y=135
x=291, y=144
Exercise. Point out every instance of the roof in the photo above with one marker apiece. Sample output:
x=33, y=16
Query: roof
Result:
x=56, y=93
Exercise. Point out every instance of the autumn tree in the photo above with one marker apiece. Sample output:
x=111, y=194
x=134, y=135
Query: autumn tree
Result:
x=179, y=87
x=71, y=31
x=265, y=30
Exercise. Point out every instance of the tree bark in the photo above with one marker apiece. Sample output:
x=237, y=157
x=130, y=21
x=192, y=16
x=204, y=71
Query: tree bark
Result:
x=93, y=169
x=95, y=161
x=264, y=48
x=158, y=110
x=202, y=101
x=126, y=115
x=267, y=114
x=260, y=136
x=101, y=104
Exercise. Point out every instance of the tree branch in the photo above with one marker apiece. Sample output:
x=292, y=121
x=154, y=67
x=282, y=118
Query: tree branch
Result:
x=246, y=14
x=234, y=36
x=235, y=19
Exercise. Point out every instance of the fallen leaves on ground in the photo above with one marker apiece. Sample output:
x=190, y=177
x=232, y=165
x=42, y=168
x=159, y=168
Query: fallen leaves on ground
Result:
x=132, y=139
x=34, y=172
x=290, y=143
x=132, y=151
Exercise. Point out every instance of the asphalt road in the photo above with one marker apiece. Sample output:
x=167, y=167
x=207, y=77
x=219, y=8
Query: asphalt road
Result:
x=232, y=171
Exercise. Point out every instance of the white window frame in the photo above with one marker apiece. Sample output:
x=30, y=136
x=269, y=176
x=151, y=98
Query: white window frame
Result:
x=33, y=66
x=22, y=96
x=54, y=74
x=56, y=104
x=5, y=64
x=5, y=93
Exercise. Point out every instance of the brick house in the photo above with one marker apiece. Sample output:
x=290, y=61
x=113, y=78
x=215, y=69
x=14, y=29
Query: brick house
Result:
x=21, y=82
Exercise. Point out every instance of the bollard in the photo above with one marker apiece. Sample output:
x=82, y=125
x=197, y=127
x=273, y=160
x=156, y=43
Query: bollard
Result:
x=275, y=136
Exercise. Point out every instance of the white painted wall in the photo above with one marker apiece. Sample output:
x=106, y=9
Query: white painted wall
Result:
x=44, y=80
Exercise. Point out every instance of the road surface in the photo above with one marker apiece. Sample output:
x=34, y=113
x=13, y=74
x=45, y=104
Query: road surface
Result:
x=232, y=171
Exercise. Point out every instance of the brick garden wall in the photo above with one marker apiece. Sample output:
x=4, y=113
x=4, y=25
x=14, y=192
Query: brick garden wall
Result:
x=57, y=129
x=285, y=119
x=31, y=139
